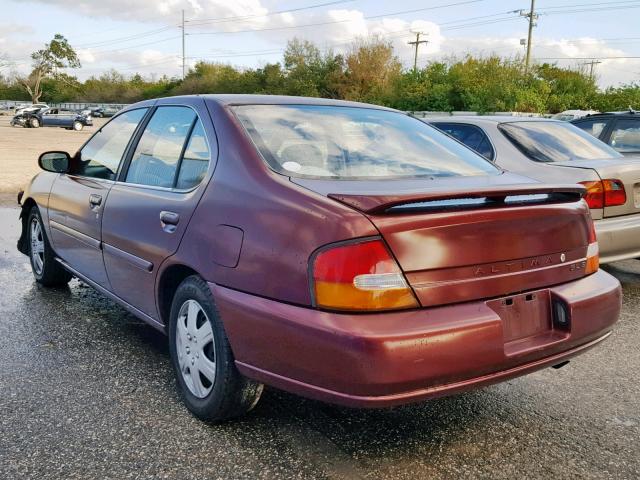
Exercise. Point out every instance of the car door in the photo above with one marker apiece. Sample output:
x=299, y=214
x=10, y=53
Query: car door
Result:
x=625, y=135
x=48, y=118
x=149, y=207
x=77, y=199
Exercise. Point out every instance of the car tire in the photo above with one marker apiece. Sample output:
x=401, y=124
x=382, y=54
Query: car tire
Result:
x=77, y=126
x=34, y=122
x=211, y=386
x=46, y=270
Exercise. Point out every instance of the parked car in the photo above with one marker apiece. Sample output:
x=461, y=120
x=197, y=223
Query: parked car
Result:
x=31, y=107
x=100, y=112
x=621, y=130
x=22, y=119
x=569, y=115
x=555, y=151
x=341, y=251
x=55, y=117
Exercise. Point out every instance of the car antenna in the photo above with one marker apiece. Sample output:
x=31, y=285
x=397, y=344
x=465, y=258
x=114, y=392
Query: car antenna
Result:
x=631, y=110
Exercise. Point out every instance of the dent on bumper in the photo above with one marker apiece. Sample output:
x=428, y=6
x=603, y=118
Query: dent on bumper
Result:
x=618, y=238
x=384, y=359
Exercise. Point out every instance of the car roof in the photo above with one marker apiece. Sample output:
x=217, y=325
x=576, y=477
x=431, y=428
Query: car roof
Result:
x=495, y=119
x=630, y=113
x=246, y=99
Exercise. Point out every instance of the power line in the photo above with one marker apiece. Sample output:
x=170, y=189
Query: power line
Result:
x=127, y=38
x=135, y=46
x=207, y=21
x=332, y=22
x=620, y=57
x=583, y=10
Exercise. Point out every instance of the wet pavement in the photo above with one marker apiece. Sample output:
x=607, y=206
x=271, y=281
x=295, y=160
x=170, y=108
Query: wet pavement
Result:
x=86, y=391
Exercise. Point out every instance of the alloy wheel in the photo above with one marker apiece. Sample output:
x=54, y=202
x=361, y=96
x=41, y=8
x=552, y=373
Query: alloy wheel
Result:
x=37, y=246
x=195, y=348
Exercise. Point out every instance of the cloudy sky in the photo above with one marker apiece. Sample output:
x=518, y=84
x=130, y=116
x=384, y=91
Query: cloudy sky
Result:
x=144, y=35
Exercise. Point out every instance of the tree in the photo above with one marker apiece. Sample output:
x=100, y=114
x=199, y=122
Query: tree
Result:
x=569, y=89
x=371, y=70
x=47, y=62
x=308, y=71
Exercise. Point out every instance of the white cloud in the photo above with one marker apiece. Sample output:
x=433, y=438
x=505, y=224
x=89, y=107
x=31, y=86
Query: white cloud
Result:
x=336, y=29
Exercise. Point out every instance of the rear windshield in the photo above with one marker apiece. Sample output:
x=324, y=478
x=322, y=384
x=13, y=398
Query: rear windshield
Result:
x=556, y=142
x=351, y=143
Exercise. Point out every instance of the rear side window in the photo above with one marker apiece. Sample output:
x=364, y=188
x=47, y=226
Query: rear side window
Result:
x=195, y=160
x=156, y=158
x=625, y=136
x=338, y=142
x=552, y=141
x=101, y=156
x=593, y=127
x=471, y=135
x=173, y=151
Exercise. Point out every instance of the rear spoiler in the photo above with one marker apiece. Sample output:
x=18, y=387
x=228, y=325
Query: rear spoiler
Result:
x=376, y=203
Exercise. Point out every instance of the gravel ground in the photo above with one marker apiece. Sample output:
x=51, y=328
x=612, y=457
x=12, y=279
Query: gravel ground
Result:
x=86, y=392
x=20, y=148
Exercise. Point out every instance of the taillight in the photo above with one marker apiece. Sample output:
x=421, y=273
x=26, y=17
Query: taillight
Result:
x=605, y=193
x=360, y=276
x=614, y=193
x=593, y=257
x=595, y=194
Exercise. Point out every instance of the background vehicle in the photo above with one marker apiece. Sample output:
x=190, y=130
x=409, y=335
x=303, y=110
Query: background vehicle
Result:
x=621, y=130
x=33, y=107
x=100, y=112
x=54, y=117
x=550, y=150
x=337, y=247
x=569, y=115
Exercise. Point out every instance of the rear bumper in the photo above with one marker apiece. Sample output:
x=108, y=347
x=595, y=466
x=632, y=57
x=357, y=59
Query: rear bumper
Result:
x=385, y=359
x=618, y=238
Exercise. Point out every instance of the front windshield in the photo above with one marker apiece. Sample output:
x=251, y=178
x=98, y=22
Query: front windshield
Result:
x=350, y=143
x=555, y=142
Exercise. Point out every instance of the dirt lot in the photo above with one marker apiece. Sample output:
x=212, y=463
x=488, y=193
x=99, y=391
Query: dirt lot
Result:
x=20, y=148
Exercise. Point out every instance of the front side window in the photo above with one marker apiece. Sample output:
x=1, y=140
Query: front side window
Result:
x=101, y=156
x=350, y=143
x=626, y=136
x=549, y=141
x=156, y=157
x=472, y=136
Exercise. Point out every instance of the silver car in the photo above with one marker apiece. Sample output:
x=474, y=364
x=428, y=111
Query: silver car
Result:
x=555, y=151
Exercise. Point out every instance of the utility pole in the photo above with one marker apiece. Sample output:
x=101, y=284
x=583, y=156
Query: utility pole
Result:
x=532, y=16
x=591, y=64
x=416, y=43
x=183, y=57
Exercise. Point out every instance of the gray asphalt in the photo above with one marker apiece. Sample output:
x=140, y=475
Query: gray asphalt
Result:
x=86, y=391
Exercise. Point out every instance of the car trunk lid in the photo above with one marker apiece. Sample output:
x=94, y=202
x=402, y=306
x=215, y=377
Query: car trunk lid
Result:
x=458, y=241
x=626, y=170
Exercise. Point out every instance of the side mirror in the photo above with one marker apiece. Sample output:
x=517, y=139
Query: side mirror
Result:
x=56, y=162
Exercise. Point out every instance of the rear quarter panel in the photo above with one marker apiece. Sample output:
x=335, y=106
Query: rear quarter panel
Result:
x=276, y=224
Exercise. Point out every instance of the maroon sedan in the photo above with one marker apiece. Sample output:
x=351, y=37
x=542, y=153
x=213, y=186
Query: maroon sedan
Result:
x=342, y=251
